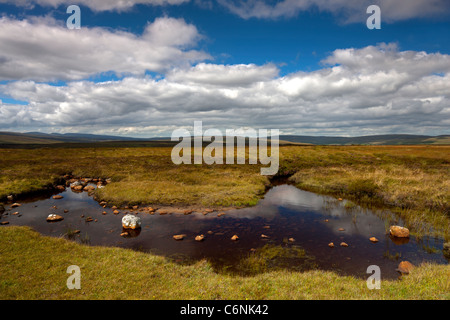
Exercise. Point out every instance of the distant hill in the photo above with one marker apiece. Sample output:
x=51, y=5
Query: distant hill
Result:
x=390, y=139
x=37, y=138
x=50, y=138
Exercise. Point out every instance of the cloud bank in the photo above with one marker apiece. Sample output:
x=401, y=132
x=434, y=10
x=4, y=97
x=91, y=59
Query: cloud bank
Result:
x=48, y=51
x=359, y=91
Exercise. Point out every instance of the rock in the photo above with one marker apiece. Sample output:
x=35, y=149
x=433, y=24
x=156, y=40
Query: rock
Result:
x=124, y=234
x=341, y=229
x=331, y=245
x=343, y=244
x=162, y=211
x=135, y=207
x=114, y=207
x=103, y=203
x=116, y=212
x=54, y=218
x=221, y=214
x=178, y=236
x=263, y=236
x=89, y=219
x=373, y=239
x=60, y=187
x=199, y=237
x=186, y=212
x=405, y=267
x=104, y=212
x=291, y=240
x=15, y=213
x=10, y=197
x=399, y=232
x=57, y=197
x=4, y=222
x=15, y=205
x=210, y=232
x=77, y=183
x=77, y=188
x=89, y=188
x=130, y=221
x=326, y=220
x=150, y=209
x=65, y=210
x=208, y=210
x=340, y=199
x=235, y=237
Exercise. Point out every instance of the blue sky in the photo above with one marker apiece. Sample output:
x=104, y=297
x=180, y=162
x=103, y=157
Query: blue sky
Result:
x=304, y=69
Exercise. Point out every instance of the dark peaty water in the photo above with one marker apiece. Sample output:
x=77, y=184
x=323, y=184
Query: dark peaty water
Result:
x=311, y=220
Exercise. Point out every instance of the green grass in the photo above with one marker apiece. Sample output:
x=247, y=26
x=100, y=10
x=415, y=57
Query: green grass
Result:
x=33, y=266
x=412, y=181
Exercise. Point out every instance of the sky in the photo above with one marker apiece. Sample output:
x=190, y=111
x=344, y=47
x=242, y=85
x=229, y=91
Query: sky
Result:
x=144, y=68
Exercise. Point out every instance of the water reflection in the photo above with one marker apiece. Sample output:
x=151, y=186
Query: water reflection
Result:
x=288, y=218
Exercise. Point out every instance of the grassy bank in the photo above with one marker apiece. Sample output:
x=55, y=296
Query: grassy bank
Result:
x=413, y=181
x=33, y=266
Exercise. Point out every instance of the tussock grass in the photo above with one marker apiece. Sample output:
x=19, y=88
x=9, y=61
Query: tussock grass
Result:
x=413, y=181
x=34, y=267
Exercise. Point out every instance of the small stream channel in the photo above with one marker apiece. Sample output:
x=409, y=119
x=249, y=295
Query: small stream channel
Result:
x=289, y=228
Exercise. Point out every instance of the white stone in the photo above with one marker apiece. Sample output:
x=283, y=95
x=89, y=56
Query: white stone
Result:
x=130, y=221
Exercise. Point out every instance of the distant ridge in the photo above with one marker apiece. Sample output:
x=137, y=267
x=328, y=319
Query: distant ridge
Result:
x=389, y=139
x=7, y=138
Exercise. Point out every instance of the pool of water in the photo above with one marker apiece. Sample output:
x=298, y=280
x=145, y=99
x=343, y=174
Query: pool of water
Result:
x=286, y=219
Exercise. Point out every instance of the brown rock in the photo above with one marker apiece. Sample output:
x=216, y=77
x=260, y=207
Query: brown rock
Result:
x=263, y=236
x=116, y=212
x=150, y=209
x=78, y=188
x=291, y=240
x=65, y=210
x=178, y=236
x=104, y=212
x=4, y=222
x=124, y=234
x=135, y=207
x=343, y=244
x=221, y=214
x=89, y=219
x=405, y=267
x=56, y=197
x=331, y=245
x=399, y=232
x=341, y=229
x=15, y=205
x=373, y=239
x=208, y=210
x=54, y=218
x=162, y=211
x=61, y=187
x=199, y=237
x=235, y=237
x=187, y=211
